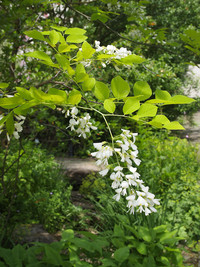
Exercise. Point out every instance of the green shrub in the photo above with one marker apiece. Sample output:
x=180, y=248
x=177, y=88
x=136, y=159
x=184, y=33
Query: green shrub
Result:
x=34, y=190
x=171, y=168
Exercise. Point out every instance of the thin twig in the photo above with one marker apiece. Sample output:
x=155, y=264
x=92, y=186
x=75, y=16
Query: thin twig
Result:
x=48, y=81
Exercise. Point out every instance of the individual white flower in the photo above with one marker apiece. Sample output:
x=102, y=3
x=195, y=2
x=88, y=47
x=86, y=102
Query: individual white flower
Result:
x=16, y=135
x=74, y=112
x=105, y=171
x=117, y=177
x=110, y=49
x=72, y=123
x=18, y=126
x=131, y=203
x=133, y=156
x=124, y=185
x=117, y=196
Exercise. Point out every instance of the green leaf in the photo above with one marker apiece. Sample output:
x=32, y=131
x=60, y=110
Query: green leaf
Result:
x=67, y=235
x=63, y=61
x=87, y=50
x=75, y=31
x=165, y=261
x=118, y=231
x=35, y=35
x=181, y=99
x=109, y=105
x=10, y=123
x=142, y=88
x=166, y=237
x=101, y=91
x=54, y=37
x=26, y=106
x=174, y=125
x=4, y=85
x=160, y=228
x=161, y=119
x=74, y=97
x=155, y=124
x=51, y=64
x=122, y=254
x=39, y=55
x=54, y=91
x=120, y=87
x=62, y=48
x=88, y=84
x=132, y=59
x=108, y=263
x=141, y=248
x=83, y=243
x=144, y=233
x=80, y=73
x=24, y=93
x=59, y=28
x=147, y=110
x=161, y=94
x=53, y=256
x=131, y=105
x=11, y=102
x=99, y=16
x=76, y=38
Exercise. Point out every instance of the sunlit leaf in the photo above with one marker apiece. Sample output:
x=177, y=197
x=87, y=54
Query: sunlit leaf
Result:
x=101, y=91
x=109, y=105
x=120, y=87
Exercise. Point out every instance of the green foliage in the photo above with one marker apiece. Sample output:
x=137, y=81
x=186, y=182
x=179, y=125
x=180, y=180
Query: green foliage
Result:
x=34, y=190
x=173, y=175
x=124, y=246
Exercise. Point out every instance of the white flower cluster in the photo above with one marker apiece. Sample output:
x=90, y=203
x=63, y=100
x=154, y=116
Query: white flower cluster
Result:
x=18, y=126
x=129, y=185
x=112, y=50
x=81, y=125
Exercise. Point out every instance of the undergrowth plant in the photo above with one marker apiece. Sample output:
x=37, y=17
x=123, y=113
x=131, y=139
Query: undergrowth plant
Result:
x=74, y=88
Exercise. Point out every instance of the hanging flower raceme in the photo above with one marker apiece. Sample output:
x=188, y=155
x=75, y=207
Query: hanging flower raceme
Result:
x=81, y=125
x=125, y=179
x=19, y=121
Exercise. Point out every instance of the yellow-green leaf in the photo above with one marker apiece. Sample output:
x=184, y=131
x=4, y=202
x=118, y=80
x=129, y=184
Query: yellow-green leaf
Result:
x=161, y=94
x=63, y=61
x=131, y=105
x=132, y=59
x=109, y=105
x=54, y=37
x=120, y=87
x=24, y=93
x=101, y=91
x=75, y=31
x=4, y=85
x=181, y=99
x=76, y=38
x=74, y=97
x=39, y=55
x=11, y=102
x=147, y=110
x=88, y=84
x=35, y=35
x=142, y=88
x=87, y=50
x=174, y=125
